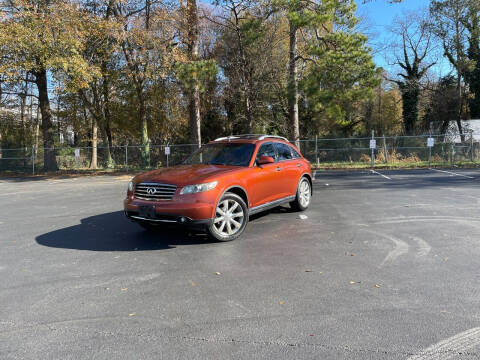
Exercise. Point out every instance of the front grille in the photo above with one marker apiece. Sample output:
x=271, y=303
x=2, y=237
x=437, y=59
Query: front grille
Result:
x=154, y=191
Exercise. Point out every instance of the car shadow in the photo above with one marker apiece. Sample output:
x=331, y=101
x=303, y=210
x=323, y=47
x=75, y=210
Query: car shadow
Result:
x=113, y=232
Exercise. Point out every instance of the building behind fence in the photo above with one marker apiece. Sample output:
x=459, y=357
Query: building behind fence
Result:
x=446, y=150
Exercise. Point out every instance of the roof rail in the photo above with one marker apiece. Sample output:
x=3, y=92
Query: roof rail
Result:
x=250, y=136
x=272, y=136
x=227, y=138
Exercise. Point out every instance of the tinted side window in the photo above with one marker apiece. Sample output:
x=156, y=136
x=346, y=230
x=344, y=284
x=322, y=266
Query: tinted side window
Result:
x=284, y=152
x=296, y=155
x=267, y=150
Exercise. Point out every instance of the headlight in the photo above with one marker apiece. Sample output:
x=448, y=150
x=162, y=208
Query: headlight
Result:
x=190, y=189
x=130, y=186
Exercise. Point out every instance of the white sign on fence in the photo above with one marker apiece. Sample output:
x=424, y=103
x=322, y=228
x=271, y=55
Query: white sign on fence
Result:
x=167, y=150
x=373, y=144
x=77, y=153
x=430, y=142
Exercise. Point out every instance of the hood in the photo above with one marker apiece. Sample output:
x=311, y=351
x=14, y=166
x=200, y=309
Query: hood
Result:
x=182, y=175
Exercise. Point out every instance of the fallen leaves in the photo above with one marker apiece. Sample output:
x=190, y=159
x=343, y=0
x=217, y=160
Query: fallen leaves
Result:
x=131, y=314
x=310, y=270
x=124, y=289
x=218, y=273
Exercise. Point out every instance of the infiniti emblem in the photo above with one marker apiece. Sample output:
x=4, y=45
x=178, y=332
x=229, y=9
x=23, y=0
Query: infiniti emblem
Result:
x=151, y=191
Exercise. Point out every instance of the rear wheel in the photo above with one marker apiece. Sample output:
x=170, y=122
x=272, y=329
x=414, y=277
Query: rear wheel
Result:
x=230, y=219
x=304, y=194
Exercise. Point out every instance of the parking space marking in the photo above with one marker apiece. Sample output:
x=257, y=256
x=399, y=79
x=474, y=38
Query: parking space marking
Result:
x=451, y=347
x=452, y=173
x=376, y=172
x=423, y=247
x=401, y=247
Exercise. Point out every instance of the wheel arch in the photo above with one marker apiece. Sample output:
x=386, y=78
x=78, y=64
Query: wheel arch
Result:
x=238, y=190
x=309, y=178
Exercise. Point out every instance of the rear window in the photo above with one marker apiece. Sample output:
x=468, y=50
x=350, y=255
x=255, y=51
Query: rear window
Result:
x=295, y=153
x=284, y=151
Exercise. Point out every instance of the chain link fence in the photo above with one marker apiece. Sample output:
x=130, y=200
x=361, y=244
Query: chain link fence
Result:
x=389, y=151
x=393, y=151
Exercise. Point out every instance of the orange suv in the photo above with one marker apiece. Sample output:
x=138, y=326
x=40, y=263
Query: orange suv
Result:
x=221, y=184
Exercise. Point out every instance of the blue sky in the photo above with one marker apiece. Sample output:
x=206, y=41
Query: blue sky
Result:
x=378, y=16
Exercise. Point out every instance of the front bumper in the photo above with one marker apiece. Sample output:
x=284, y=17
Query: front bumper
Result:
x=196, y=214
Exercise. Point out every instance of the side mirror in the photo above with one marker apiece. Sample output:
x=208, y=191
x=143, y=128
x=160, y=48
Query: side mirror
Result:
x=262, y=160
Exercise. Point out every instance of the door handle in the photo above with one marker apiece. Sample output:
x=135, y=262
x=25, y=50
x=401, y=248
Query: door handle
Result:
x=279, y=168
x=298, y=165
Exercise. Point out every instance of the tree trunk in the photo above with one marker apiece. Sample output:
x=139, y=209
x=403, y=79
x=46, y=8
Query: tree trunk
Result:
x=293, y=88
x=410, y=93
x=194, y=94
x=248, y=110
x=107, y=116
x=459, y=119
x=145, y=141
x=245, y=73
x=106, y=99
x=195, y=119
x=93, y=163
x=48, y=132
x=459, y=78
x=23, y=105
x=37, y=131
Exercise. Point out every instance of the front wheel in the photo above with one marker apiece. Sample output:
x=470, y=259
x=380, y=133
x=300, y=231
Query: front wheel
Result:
x=230, y=219
x=304, y=195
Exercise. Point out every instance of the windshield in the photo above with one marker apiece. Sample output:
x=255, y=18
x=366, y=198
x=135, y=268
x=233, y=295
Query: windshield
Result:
x=235, y=154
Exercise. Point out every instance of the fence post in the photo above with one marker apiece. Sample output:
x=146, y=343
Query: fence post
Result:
x=471, y=147
x=126, y=156
x=33, y=159
x=452, y=147
x=373, y=150
x=316, y=150
x=429, y=156
x=167, y=153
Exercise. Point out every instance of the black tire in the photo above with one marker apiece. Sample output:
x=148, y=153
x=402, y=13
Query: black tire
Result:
x=300, y=203
x=218, y=229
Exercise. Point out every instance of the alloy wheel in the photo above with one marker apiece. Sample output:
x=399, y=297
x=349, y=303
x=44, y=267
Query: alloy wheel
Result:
x=229, y=218
x=304, y=193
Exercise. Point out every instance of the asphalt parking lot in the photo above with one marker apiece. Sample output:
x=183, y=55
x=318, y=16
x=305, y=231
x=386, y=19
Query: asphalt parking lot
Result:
x=384, y=266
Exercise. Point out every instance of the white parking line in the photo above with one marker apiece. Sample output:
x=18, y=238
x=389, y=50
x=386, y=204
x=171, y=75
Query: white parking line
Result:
x=314, y=174
x=452, y=173
x=451, y=347
x=376, y=172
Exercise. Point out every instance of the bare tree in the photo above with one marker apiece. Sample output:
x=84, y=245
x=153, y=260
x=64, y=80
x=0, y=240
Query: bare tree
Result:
x=413, y=55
